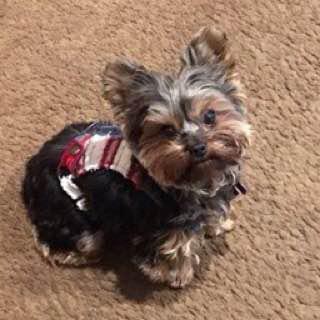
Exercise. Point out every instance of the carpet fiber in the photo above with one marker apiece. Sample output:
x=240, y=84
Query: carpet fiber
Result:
x=51, y=56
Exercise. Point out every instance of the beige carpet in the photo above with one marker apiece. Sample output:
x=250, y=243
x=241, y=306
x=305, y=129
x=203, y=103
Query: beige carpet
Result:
x=51, y=56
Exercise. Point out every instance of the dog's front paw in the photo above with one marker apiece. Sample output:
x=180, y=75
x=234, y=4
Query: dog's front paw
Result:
x=180, y=277
x=219, y=227
x=176, y=276
x=225, y=225
x=172, y=259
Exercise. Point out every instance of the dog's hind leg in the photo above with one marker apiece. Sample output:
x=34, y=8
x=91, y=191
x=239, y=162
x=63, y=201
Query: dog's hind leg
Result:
x=88, y=250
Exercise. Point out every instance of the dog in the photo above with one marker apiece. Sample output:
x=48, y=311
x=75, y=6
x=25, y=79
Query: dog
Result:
x=163, y=175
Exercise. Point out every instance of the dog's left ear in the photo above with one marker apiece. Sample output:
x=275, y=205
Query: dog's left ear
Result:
x=208, y=47
x=209, y=52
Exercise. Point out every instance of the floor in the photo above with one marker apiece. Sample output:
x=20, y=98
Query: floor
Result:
x=52, y=54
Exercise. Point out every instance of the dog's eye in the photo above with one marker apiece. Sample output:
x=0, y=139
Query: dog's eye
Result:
x=209, y=117
x=168, y=131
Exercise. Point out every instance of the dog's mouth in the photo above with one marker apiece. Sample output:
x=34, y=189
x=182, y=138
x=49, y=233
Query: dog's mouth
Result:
x=204, y=169
x=207, y=160
x=198, y=169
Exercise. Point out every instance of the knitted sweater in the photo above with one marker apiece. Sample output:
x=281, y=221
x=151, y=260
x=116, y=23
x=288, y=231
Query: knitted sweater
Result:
x=100, y=146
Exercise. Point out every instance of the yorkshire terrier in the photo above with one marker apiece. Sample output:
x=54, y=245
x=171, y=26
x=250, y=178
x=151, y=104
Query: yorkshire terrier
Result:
x=164, y=175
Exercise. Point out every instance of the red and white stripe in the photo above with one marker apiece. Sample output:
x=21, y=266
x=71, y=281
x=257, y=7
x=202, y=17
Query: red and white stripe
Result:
x=96, y=152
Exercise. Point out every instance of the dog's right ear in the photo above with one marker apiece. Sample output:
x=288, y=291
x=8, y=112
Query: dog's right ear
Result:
x=209, y=46
x=116, y=79
x=124, y=82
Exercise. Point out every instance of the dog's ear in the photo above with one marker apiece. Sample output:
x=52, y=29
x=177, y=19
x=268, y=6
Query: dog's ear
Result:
x=124, y=83
x=209, y=46
x=209, y=56
x=116, y=80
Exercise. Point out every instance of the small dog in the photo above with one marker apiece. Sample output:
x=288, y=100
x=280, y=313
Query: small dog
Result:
x=164, y=180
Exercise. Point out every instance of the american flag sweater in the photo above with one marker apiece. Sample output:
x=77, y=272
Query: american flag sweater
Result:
x=100, y=146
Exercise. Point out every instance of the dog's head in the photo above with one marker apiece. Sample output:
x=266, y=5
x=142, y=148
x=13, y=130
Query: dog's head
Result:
x=184, y=129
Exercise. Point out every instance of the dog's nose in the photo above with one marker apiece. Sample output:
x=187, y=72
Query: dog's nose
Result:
x=199, y=150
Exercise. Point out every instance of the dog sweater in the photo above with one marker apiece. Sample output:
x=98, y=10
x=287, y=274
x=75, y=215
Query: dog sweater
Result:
x=100, y=146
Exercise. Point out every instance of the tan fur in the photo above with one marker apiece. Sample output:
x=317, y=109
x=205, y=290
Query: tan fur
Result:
x=166, y=160
x=176, y=261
